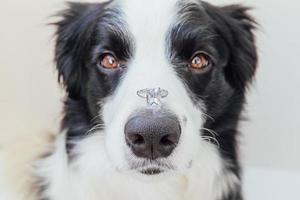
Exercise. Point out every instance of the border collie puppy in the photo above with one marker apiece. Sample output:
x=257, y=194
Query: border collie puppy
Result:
x=155, y=90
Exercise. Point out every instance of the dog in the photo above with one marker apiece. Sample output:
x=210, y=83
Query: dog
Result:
x=155, y=92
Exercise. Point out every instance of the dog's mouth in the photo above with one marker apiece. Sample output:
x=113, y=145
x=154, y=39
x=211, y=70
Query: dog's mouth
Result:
x=151, y=171
x=152, y=168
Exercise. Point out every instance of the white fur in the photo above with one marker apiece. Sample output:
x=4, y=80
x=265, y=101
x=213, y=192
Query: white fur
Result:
x=101, y=168
x=149, y=22
x=93, y=177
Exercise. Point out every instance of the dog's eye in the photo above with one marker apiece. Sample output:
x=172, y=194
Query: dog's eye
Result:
x=199, y=61
x=109, y=61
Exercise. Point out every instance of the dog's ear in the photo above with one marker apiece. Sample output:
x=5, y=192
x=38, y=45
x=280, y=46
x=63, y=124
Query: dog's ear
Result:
x=73, y=43
x=236, y=26
x=243, y=60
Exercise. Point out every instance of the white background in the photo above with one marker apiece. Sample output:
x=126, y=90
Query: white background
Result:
x=30, y=100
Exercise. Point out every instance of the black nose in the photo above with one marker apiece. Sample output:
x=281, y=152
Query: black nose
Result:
x=152, y=135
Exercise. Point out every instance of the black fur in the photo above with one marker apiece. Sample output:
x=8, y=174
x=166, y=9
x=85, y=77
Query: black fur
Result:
x=226, y=35
x=81, y=38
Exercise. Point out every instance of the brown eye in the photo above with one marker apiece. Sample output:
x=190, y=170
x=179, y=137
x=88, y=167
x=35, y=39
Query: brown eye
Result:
x=109, y=61
x=200, y=61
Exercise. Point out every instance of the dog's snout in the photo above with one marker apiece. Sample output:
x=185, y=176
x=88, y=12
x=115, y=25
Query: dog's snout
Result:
x=152, y=136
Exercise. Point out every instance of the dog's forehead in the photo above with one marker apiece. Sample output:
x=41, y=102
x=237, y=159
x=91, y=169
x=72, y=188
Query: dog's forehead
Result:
x=151, y=20
x=148, y=13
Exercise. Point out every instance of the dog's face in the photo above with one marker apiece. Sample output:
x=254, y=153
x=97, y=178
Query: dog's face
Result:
x=155, y=77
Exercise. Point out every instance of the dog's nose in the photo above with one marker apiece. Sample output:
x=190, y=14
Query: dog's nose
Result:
x=152, y=136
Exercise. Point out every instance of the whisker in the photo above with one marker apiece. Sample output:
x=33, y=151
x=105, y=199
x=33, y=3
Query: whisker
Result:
x=207, y=116
x=94, y=128
x=209, y=138
x=212, y=137
x=95, y=118
x=214, y=133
